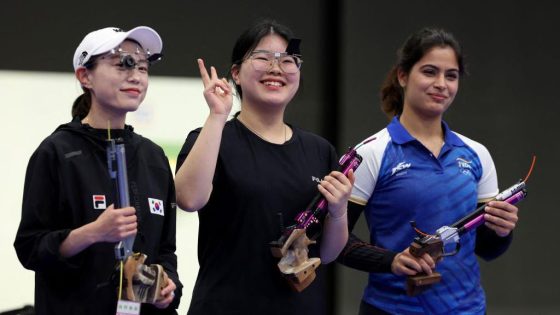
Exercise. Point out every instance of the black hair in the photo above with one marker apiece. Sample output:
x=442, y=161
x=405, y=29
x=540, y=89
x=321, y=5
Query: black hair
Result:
x=251, y=37
x=82, y=104
x=413, y=49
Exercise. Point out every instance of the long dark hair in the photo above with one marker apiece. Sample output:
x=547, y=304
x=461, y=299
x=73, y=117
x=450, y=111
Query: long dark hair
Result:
x=251, y=37
x=82, y=104
x=413, y=49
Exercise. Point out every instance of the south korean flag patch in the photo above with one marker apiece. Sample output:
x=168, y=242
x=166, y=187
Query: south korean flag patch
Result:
x=156, y=206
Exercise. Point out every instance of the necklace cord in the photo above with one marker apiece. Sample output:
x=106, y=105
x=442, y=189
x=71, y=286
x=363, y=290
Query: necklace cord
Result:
x=262, y=137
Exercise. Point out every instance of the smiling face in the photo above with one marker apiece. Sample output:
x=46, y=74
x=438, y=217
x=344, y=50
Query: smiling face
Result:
x=116, y=89
x=432, y=83
x=271, y=87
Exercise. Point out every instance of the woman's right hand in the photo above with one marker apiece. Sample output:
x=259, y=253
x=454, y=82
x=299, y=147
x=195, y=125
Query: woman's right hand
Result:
x=217, y=92
x=114, y=225
x=404, y=264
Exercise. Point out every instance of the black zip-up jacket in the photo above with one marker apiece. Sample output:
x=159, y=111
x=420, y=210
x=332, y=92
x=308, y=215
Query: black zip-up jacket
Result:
x=67, y=185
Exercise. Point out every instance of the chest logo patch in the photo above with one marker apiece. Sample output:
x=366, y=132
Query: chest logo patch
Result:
x=400, y=168
x=156, y=206
x=99, y=202
x=464, y=165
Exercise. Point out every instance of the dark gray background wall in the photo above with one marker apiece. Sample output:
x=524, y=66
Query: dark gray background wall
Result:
x=508, y=102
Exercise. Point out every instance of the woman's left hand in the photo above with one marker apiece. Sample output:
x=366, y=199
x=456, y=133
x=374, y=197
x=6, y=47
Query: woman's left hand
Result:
x=501, y=217
x=167, y=295
x=336, y=188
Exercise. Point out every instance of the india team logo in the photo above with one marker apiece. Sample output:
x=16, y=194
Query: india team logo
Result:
x=464, y=166
x=400, y=168
x=99, y=202
x=156, y=206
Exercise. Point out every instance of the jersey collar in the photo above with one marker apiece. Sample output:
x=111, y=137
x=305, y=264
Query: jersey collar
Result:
x=399, y=134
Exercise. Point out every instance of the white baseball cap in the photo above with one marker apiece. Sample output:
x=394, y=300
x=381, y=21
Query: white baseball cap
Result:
x=105, y=39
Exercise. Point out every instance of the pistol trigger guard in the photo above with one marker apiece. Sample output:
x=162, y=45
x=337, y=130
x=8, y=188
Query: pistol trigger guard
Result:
x=454, y=252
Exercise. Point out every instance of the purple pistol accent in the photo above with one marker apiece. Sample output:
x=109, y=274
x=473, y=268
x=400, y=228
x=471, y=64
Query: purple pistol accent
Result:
x=451, y=234
x=292, y=247
x=476, y=222
x=465, y=225
x=318, y=207
x=435, y=244
x=316, y=210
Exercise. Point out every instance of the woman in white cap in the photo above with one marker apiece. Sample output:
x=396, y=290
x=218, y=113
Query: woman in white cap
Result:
x=69, y=224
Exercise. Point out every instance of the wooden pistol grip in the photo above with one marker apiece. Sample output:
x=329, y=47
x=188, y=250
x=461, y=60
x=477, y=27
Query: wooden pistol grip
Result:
x=295, y=265
x=418, y=283
x=433, y=249
x=143, y=283
x=280, y=250
x=130, y=267
x=300, y=286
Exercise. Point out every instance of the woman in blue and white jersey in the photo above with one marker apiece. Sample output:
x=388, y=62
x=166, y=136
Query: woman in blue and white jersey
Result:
x=418, y=169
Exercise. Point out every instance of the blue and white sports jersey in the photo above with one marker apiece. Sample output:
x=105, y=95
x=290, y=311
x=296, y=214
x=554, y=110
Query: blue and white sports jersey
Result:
x=400, y=181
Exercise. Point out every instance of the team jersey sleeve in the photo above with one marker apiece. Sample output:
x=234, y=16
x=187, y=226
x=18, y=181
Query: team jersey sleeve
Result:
x=488, y=244
x=368, y=171
x=488, y=182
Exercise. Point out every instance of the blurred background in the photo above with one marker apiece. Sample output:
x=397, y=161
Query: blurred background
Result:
x=507, y=102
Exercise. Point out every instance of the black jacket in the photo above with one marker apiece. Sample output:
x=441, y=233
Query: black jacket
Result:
x=64, y=174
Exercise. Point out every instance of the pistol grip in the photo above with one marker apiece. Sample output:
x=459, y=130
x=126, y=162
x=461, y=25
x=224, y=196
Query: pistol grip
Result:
x=280, y=248
x=418, y=283
x=434, y=249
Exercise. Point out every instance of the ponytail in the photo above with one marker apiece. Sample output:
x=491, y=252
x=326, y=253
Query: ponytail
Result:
x=392, y=95
x=81, y=105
